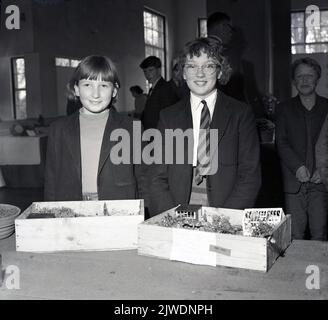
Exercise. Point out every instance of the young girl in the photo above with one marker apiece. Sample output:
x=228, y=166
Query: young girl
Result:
x=78, y=164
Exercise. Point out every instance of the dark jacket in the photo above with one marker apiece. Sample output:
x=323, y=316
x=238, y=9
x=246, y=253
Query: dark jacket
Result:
x=161, y=97
x=321, y=150
x=63, y=180
x=238, y=178
x=291, y=138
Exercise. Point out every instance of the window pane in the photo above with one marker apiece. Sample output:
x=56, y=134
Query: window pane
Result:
x=160, y=25
x=20, y=103
x=156, y=52
x=297, y=19
x=297, y=35
x=312, y=35
x=161, y=40
x=298, y=49
x=155, y=39
x=315, y=48
x=155, y=23
x=21, y=96
x=62, y=62
x=203, y=28
x=20, y=81
x=324, y=18
x=147, y=20
x=324, y=34
x=148, y=51
x=75, y=63
x=19, y=65
x=154, y=26
x=161, y=55
x=148, y=36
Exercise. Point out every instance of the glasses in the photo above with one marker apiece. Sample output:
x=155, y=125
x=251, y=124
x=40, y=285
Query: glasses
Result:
x=207, y=69
x=306, y=77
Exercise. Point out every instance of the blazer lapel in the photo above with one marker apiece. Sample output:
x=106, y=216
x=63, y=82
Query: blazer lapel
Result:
x=221, y=117
x=184, y=122
x=106, y=146
x=74, y=143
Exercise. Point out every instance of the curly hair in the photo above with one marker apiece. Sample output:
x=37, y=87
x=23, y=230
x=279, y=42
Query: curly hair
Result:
x=213, y=48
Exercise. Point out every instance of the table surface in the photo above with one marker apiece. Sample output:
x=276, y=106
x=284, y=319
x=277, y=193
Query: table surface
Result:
x=124, y=275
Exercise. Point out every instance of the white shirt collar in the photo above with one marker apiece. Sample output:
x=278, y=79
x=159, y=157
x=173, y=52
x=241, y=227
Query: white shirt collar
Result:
x=210, y=100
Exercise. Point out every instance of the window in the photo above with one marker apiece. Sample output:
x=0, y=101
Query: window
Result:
x=154, y=31
x=19, y=85
x=309, y=39
x=202, y=27
x=64, y=62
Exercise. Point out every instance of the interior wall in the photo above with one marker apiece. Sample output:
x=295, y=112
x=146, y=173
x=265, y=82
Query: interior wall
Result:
x=77, y=28
x=83, y=27
x=264, y=27
x=281, y=48
x=249, y=17
x=299, y=5
x=13, y=43
x=6, y=103
x=187, y=14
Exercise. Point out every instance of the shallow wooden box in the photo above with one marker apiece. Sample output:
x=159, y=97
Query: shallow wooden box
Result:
x=214, y=249
x=116, y=231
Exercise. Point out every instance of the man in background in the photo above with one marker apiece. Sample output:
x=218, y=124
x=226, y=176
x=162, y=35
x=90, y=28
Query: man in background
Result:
x=298, y=124
x=160, y=95
x=139, y=101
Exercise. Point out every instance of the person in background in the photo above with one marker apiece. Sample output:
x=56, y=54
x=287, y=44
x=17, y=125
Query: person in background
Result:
x=78, y=163
x=177, y=82
x=321, y=154
x=160, y=94
x=139, y=101
x=236, y=182
x=298, y=124
x=219, y=26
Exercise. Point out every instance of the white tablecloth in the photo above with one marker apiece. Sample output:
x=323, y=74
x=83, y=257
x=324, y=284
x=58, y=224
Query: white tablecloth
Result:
x=20, y=150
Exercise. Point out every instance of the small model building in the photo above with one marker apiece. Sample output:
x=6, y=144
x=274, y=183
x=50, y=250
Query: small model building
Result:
x=189, y=211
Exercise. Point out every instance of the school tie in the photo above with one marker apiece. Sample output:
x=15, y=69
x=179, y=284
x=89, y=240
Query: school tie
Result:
x=150, y=91
x=203, y=149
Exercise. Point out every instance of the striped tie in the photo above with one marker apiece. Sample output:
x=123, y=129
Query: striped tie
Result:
x=203, y=149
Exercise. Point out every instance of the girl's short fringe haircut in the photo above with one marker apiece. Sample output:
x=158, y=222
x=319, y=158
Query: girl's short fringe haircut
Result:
x=213, y=48
x=92, y=68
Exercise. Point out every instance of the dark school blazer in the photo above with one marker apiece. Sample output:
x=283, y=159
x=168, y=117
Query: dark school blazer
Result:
x=291, y=138
x=321, y=153
x=63, y=180
x=238, y=178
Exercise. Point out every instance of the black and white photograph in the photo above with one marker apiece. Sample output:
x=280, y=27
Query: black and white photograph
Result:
x=163, y=155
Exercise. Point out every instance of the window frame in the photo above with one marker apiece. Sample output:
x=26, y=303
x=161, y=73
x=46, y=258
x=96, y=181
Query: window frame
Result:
x=164, y=49
x=15, y=89
x=71, y=62
x=304, y=43
x=200, y=20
